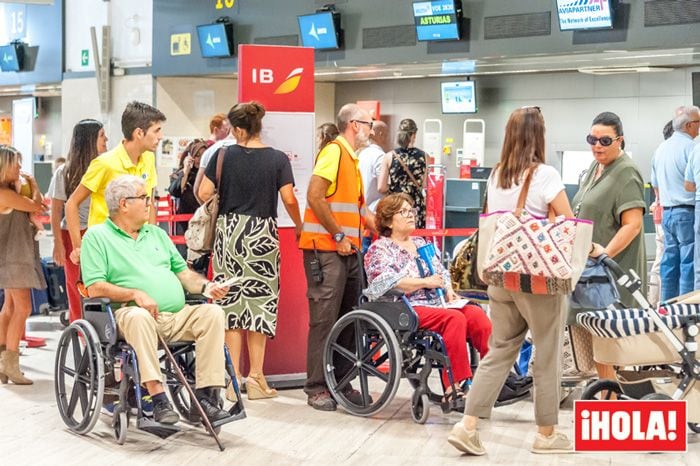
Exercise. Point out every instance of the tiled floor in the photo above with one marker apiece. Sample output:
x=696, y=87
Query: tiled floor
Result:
x=278, y=431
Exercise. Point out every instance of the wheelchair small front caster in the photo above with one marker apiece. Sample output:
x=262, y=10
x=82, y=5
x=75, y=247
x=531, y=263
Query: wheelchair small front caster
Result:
x=120, y=423
x=420, y=407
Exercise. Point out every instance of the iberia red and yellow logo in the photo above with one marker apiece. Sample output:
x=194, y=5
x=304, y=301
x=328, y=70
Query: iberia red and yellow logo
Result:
x=291, y=83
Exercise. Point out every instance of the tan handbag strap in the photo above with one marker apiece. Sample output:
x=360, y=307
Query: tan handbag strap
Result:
x=520, y=206
x=219, y=163
x=405, y=169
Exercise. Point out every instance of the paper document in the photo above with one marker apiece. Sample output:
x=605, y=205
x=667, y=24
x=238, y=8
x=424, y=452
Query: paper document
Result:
x=458, y=303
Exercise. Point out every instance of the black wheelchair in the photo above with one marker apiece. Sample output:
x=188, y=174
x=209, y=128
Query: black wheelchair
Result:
x=93, y=362
x=377, y=343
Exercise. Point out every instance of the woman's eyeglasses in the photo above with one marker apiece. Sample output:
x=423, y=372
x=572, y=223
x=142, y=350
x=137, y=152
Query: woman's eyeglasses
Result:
x=604, y=141
x=405, y=213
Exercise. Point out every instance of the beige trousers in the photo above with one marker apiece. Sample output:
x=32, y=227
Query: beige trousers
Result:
x=512, y=314
x=203, y=324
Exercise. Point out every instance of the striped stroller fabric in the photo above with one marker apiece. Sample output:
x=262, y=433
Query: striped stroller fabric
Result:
x=620, y=323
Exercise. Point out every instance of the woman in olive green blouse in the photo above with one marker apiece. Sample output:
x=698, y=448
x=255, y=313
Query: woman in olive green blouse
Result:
x=612, y=196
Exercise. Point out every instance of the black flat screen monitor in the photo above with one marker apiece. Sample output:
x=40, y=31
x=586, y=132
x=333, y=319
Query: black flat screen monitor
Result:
x=216, y=40
x=458, y=97
x=437, y=19
x=575, y=15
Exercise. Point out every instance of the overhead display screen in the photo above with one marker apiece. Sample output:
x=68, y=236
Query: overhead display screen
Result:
x=318, y=31
x=215, y=40
x=437, y=19
x=458, y=97
x=9, y=61
x=584, y=14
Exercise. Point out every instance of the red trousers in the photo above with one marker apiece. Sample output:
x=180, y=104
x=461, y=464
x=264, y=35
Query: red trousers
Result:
x=72, y=272
x=456, y=326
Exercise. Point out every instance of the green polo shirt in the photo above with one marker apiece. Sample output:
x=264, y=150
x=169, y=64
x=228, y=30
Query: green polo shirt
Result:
x=148, y=263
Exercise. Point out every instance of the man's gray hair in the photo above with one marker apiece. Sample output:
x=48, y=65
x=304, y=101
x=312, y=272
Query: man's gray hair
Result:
x=684, y=114
x=119, y=188
x=347, y=113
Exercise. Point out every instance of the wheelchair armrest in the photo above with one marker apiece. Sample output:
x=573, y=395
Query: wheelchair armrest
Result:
x=195, y=298
x=98, y=312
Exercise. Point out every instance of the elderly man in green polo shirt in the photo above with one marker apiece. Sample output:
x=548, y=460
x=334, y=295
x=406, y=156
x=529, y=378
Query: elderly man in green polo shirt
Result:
x=135, y=263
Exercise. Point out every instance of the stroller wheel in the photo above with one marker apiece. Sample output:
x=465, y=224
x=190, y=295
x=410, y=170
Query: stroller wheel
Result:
x=694, y=426
x=602, y=390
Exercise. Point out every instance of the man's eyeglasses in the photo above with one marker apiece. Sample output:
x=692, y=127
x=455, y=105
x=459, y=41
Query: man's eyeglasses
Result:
x=368, y=123
x=405, y=213
x=143, y=197
x=604, y=141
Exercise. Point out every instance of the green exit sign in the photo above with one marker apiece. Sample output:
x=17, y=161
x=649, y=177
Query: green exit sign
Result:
x=84, y=57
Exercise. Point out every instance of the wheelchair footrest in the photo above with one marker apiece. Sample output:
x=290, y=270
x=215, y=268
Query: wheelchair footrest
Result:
x=226, y=420
x=161, y=430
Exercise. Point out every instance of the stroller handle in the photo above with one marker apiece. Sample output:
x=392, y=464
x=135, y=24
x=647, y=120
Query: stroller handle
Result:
x=612, y=265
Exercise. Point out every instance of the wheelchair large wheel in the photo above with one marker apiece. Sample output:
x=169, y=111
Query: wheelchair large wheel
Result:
x=79, y=379
x=602, y=389
x=362, y=348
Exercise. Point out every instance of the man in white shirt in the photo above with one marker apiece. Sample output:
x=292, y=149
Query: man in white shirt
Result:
x=371, y=159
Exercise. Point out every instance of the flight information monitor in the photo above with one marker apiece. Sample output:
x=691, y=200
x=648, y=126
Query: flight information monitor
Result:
x=320, y=30
x=10, y=58
x=215, y=40
x=437, y=19
x=458, y=97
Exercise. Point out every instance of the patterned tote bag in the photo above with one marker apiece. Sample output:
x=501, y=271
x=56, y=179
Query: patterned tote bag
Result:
x=521, y=252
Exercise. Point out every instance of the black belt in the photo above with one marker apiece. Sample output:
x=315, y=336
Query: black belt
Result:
x=683, y=206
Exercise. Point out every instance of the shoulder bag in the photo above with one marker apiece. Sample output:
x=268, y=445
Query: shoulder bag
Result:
x=520, y=252
x=199, y=236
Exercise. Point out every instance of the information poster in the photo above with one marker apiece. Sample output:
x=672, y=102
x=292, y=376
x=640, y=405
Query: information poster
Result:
x=293, y=134
x=169, y=150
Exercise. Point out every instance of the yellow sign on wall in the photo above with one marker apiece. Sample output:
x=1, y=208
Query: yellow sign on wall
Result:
x=181, y=44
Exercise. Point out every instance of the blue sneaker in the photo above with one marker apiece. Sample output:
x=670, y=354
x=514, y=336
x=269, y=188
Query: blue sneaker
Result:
x=108, y=408
x=146, y=406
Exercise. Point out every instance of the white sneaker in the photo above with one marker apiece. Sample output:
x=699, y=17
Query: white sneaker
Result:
x=555, y=443
x=466, y=441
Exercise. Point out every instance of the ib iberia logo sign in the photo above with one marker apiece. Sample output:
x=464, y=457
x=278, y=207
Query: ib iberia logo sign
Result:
x=635, y=425
x=281, y=78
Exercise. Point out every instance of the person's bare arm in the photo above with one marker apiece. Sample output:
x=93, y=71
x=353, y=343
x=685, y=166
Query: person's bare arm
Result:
x=206, y=190
x=561, y=205
x=59, y=251
x=153, y=209
x=631, y=220
x=291, y=205
x=383, y=179
x=411, y=284
x=73, y=219
x=10, y=199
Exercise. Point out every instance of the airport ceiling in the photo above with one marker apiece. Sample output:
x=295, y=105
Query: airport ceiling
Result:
x=598, y=63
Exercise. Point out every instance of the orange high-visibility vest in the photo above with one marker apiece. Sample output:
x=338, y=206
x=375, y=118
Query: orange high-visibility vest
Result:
x=347, y=205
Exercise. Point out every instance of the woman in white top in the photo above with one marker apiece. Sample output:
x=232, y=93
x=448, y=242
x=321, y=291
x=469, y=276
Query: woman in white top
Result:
x=514, y=313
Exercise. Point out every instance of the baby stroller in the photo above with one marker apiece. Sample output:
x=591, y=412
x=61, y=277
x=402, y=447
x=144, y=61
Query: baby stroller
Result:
x=653, y=350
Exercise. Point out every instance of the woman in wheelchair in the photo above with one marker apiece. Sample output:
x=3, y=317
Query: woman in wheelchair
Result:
x=392, y=262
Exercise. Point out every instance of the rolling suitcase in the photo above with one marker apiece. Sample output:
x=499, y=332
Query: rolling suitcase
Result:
x=56, y=284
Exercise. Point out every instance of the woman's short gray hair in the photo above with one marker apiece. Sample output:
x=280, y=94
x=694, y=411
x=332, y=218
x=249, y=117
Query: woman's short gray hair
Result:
x=684, y=114
x=120, y=188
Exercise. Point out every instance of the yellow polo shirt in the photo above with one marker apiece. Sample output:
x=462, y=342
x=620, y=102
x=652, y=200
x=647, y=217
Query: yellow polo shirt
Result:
x=109, y=166
x=326, y=165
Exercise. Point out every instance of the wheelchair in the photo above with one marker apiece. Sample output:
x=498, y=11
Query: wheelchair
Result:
x=92, y=361
x=375, y=345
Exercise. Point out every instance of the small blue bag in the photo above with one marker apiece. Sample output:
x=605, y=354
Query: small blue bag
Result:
x=596, y=288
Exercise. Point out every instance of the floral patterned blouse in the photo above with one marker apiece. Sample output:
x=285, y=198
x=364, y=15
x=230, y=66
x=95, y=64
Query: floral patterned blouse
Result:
x=386, y=263
x=399, y=181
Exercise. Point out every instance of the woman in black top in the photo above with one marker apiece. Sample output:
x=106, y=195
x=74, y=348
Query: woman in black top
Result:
x=247, y=244
x=405, y=168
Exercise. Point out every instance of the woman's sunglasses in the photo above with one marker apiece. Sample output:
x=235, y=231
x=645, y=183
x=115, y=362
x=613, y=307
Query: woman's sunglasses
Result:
x=604, y=141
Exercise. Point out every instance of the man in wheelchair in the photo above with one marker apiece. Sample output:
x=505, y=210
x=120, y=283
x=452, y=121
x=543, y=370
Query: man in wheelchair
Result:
x=129, y=261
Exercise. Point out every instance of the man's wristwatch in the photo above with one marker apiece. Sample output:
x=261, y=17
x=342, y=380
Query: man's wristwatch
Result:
x=338, y=237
